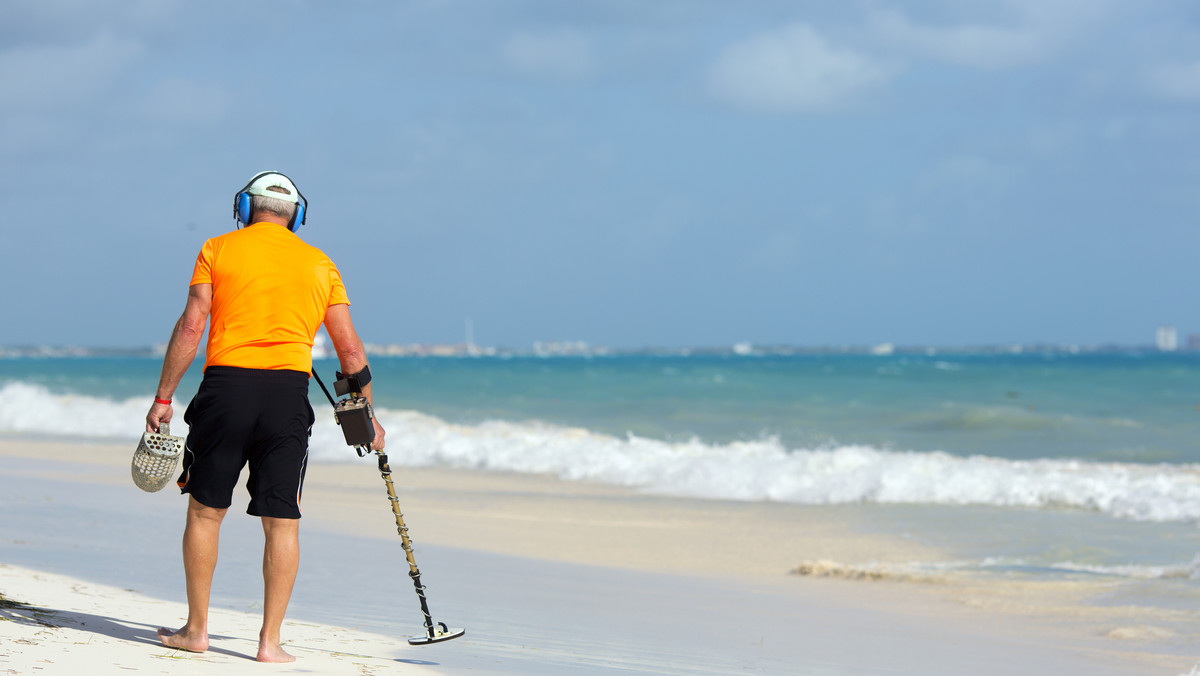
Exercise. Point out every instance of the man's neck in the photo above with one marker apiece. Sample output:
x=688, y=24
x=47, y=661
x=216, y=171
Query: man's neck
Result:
x=268, y=218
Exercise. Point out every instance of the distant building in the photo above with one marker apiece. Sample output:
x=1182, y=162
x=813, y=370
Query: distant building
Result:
x=1167, y=339
x=561, y=348
x=1193, y=342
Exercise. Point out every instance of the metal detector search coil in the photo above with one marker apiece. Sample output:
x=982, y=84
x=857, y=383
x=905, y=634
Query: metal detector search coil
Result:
x=155, y=459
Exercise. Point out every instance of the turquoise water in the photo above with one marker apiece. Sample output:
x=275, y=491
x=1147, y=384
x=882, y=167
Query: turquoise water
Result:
x=1039, y=464
x=1129, y=407
x=1137, y=407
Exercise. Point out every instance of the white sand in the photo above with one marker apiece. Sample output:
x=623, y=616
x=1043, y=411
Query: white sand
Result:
x=80, y=627
x=547, y=577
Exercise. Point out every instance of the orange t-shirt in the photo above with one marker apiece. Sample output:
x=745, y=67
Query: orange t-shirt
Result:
x=270, y=291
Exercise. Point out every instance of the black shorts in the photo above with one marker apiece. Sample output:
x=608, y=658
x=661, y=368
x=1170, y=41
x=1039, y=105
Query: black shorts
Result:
x=256, y=416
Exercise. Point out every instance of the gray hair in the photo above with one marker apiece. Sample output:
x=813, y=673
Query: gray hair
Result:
x=272, y=205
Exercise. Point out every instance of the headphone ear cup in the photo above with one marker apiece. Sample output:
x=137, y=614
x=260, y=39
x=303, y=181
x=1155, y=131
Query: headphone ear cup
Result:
x=243, y=208
x=298, y=219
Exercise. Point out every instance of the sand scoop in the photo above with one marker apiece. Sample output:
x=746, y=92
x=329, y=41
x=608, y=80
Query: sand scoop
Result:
x=155, y=459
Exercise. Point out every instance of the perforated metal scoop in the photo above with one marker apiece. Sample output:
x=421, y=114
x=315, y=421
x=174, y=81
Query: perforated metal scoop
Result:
x=155, y=459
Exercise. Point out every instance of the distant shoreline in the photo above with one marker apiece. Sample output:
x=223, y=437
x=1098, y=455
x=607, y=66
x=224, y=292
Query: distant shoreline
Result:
x=583, y=350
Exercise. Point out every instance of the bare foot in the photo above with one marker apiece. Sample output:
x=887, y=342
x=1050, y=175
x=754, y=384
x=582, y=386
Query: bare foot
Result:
x=271, y=652
x=183, y=640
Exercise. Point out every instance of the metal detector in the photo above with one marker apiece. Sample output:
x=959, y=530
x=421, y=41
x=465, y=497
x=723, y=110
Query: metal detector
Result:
x=350, y=414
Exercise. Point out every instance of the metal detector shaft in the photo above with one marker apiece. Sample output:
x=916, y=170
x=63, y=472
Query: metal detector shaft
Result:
x=434, y=633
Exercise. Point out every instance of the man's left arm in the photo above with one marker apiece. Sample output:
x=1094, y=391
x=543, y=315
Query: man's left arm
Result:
x=185, y=340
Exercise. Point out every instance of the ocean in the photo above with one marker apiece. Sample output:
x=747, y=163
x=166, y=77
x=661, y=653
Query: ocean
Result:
x=1039, y=465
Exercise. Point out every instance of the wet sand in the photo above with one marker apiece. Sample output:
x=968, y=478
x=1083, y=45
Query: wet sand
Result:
x=546, y=576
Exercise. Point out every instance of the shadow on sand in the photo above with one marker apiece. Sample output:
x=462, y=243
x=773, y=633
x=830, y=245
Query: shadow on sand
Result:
x=126, y=630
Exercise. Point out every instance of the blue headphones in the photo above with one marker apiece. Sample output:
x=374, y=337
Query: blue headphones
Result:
x=241, y=202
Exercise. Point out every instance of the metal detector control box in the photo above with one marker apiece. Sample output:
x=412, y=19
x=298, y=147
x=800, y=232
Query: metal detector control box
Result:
x=354, y=415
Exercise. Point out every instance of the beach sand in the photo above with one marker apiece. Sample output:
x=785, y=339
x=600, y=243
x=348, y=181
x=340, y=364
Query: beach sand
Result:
x=79, y=627
x=547, y=577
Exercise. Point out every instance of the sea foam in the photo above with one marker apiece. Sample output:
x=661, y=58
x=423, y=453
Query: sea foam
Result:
x=762, y=469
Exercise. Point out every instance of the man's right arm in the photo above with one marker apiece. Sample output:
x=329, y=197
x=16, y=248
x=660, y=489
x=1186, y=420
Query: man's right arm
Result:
x=351, y=355
x=185, y=339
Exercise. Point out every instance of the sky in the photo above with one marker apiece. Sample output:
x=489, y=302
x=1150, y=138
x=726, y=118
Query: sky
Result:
x=623, y=172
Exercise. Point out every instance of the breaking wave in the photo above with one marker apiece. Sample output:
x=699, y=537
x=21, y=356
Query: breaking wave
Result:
x=749, y=470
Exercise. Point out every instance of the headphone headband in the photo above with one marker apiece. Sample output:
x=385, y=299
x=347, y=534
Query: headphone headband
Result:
x=242, y=203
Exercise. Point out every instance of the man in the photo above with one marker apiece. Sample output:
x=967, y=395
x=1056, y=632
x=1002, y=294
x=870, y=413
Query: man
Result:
x=268, y=292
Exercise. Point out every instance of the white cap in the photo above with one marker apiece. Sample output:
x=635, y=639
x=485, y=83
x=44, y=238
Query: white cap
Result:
x=273, y=179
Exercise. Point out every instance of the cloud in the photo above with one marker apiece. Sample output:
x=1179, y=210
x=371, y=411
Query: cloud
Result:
x=44, y=77
x=1029, y=32
x=973, y=45
x=557, y=55
x=72, y=21
x=792, y=70
x=1176, y=81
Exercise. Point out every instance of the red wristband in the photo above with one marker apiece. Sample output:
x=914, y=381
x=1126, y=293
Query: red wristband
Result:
x=164, y=402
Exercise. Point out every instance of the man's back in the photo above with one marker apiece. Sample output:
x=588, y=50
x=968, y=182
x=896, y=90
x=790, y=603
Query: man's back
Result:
x=270, y=291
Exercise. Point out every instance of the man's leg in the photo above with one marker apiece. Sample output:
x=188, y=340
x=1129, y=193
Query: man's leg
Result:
x=281, y=559
x=200, y=539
